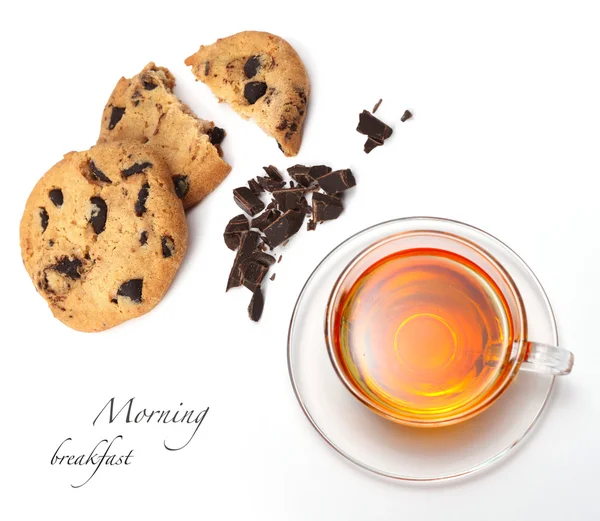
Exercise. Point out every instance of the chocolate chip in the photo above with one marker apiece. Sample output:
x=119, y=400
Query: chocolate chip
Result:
x=182, y=185
x=326, y=207
x=132, y=289
x=336, y=182
x=247, y=246
x=264, y=219
x=407, y=115
x=206, y=68
x=373, y=127
x=247, y=200
x=371, y=143
x=272, y=277
x=299, y=173
x=68, y=267
x=148, y=83
x=233, y=231
x=144, y=238
x=168, y=246
x=257, y=304
x=273, y=173
x=136, y=168
x=115, y=116
x=140, y=204
x=50, y=243
x=216, y=135
x=311, y=225
x=98, y=214
x=269, y=184
x=283, y=227
x=254, y=90
x=97, y=173
x=255, y=187
x=288, y=198
x=251, y=67
x=376, y=106
x=44, y=219
x=56, y=196
x=279, y=259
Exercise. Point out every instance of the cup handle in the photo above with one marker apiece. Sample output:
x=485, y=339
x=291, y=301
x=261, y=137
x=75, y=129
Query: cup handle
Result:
x=547, y=359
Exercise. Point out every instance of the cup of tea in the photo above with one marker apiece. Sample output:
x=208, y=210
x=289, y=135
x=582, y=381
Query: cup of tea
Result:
x=428, y=329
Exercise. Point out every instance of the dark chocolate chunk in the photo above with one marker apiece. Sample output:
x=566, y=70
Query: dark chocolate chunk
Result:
x=252, y=273
x=206, y=68
x=50, y=243
x=407, y=115
x=97, y=173
x=311, y=225
x=269, y=184
x=338, y=181
x=136, y=168
x=288, y=198
x=115, y=116
x=144, y=238
x=251, y=67
x=247, y=200
x=233, y=231
x=299, y=173
x=140, y=204
x=98, y=214
x=376, y=106
x=279, y=259
x=257, y=304
x=182, y=185
x=255, y=187
x=263, y=258
x=273, y=173
x=44, y=219
x=56, y=196
x=132, y=289
x=326, y=207
x=317, y=171
x=168, y=246
x=373, y=127
x=68, y=267
x=371, y=143
x=248, y=242
x=272, y=277
x=265, y=218
x=254, y=90
x=283, y=227
x=216, y=135
x=148, y=83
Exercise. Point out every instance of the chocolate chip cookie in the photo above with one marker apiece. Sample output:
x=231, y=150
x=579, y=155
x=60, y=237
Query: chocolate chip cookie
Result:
x=145, y=109
x=262, y=77
x=103, y=234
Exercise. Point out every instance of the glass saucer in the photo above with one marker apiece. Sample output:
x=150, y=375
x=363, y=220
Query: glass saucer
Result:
x=390, y=449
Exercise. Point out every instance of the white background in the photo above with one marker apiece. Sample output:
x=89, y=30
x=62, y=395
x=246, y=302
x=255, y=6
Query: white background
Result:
x=505, y=136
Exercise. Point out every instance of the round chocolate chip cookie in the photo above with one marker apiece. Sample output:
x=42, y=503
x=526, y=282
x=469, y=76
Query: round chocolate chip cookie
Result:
x=262, y=77
x=145, y=109
x=103, y=235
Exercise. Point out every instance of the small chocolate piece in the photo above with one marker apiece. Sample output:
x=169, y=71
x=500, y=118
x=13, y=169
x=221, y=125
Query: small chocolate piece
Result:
x=98, y=214
x=247, y=200
x=115, y=116
x=56, y=196
x=268, y=184
x=140, y=204
x=254, y=90
x=337, y=181
x=132, y=289
x=299, y=173
x=68, y=267
x=371, y=143
x=373, y=127
x=273, y=173
x=148, y=83
x=182, y=185
x=168, y=246
x=272, y=277
x=136, y=168
x=283, y=228
x=311, y=225
x=143, y=238
x=257, y=304
x=265, y=218
x=252, y=273
x=216, y=135
x=288, y=198
x=44, y=219
x=251, y=67
x=248, y=242
x=376, y=106
x=97, y=173
x=279, y=259
x=255, y=187
x=233, y=231
x=407, y=115
x=326, y=207
x=315, y=172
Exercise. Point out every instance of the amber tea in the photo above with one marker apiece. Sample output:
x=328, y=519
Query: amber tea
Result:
x=424, y=334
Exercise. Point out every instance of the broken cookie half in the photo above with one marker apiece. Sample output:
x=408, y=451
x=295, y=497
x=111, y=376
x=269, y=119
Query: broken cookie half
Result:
x=144, y=109
x=262, y=77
